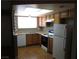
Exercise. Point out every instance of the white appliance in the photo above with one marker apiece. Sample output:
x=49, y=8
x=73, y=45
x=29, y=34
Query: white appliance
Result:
x=59, y=40
x=21, y=40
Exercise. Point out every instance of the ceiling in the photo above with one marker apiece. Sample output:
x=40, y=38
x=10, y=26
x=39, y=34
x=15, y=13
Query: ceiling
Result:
x=54, y=7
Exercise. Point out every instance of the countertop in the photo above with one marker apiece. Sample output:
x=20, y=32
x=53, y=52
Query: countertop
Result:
x=46, y=35
x=18, y=33
x=43, y=34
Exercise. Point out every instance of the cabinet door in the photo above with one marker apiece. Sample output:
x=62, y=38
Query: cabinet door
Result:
x=28, y=39
x=64, y=14
x=50, y=45
x=71, y=13
x=57, y=18
x=35, y=39
x=41, y=21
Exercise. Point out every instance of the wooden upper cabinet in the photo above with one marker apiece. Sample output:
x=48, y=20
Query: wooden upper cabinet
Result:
x=71, y=13
x=57, y=18
x=64, y=14
x=67, y=13
x=41, y=21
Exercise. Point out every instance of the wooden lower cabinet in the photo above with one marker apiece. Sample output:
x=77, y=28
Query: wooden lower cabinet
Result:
x=28, y=39
x=50, y=45
x=33, y=39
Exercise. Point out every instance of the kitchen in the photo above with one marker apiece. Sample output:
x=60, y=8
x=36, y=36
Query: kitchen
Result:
x=50, y=30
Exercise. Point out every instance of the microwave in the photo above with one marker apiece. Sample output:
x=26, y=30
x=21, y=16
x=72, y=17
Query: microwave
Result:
x=49, y=24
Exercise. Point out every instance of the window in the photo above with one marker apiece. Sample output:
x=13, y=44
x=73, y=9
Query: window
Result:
x=27, y=22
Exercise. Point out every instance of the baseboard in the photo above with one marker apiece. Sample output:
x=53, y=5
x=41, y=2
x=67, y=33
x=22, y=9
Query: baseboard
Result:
x=21, y=46
x=33, y=45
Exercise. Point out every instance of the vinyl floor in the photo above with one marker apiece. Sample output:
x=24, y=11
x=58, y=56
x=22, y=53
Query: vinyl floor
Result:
x=33, y=52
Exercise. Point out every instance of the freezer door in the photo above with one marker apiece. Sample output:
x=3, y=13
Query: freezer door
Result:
x=60, y=30
x=58, y=47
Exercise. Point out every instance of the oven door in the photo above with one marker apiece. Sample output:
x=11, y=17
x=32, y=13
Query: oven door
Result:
x=44, y=41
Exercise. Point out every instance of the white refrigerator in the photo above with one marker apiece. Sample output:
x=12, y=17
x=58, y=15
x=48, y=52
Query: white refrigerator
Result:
x=59, y=40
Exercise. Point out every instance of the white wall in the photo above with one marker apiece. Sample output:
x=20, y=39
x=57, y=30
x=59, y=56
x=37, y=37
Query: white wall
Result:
x=27, y=31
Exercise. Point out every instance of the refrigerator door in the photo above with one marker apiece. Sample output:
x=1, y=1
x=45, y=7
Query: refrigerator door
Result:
x=58, y=47
x=60, y=30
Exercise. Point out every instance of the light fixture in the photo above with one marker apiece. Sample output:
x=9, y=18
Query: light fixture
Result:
x=50, y=20
x=33, y=11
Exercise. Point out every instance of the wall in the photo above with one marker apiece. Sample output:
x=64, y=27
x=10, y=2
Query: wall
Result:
x=28, y=31
x=7, y=41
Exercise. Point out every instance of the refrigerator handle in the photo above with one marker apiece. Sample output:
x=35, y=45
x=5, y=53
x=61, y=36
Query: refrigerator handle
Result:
x=63, y=43
x=65, y=31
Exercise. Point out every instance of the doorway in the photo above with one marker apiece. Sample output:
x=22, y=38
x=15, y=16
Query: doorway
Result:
x=30, y=28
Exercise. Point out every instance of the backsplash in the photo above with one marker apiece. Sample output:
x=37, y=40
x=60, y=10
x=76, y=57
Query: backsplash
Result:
x=34, y=30
x=28, y=31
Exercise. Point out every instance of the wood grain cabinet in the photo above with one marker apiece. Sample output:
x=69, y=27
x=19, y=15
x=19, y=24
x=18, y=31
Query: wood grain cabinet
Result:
x=33, y=39
x=64, y=14
x=28, y=39
x=50, y=45
x=36, y=38
x=71, y=13
x=57, y=18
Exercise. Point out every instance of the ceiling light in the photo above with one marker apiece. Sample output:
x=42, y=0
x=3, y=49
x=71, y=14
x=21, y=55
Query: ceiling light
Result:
x=50, y=20
x=33, y=12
